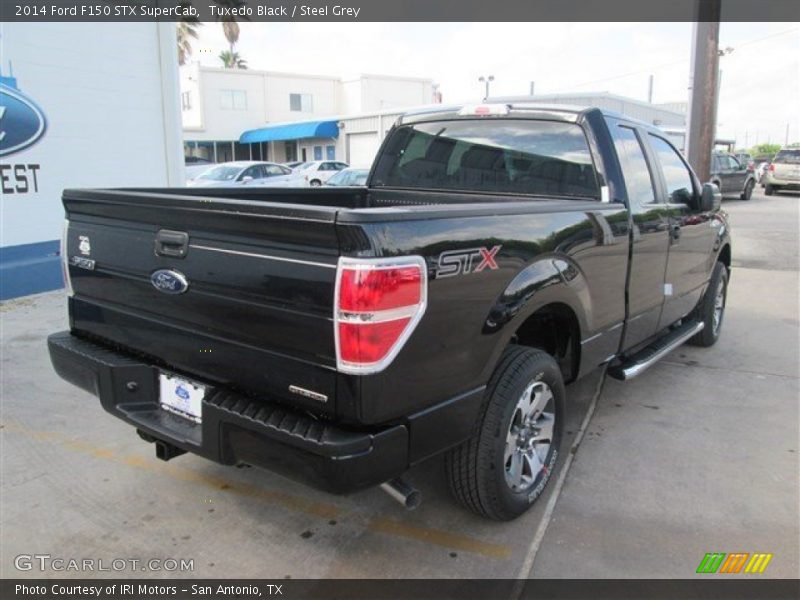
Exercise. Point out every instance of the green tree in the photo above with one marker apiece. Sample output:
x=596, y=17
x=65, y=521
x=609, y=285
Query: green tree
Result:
x=186, y=32
x=764, y=149
x=230, y=26
x=232, y=60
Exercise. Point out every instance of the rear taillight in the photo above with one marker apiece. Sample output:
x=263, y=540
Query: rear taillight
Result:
x=65, y=258
x=378, y=304
x=771, y=167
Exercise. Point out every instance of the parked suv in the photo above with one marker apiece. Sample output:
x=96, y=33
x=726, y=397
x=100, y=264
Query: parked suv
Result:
x=784, y=172
x=733, y=178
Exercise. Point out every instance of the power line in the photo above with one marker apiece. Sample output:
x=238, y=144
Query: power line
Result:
x=683, y=60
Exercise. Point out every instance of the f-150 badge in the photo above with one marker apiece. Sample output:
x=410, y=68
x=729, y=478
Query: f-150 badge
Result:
x=464, y=262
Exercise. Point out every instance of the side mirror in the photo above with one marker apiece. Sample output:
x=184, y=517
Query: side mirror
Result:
x=246, y=179
x=710, y=198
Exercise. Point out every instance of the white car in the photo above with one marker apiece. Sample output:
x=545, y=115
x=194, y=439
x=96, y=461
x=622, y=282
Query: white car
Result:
x=317, y=172
x=244, y=172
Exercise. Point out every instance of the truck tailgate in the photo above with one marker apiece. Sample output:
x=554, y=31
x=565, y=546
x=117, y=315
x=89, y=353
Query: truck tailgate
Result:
x=257, y=306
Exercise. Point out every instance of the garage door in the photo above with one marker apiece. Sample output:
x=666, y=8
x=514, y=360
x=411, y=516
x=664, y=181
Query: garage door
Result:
x=362, y=148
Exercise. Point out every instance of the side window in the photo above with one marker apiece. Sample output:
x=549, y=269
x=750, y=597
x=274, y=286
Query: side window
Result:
x=254, y=172
x=272, y=170
x=715, y=166
x=734, y=163
x=638, y=179
x=676, y=175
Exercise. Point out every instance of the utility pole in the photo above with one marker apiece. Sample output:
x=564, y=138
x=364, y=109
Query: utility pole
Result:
x=486, y=80
x=533, y=85
x=702, y=116
x=786, y=143
x=650, y=91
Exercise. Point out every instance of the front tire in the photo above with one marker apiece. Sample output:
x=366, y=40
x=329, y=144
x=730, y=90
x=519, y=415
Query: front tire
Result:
x=504, y=467
x=748, y=190
x=711, y=309
x=316, y=183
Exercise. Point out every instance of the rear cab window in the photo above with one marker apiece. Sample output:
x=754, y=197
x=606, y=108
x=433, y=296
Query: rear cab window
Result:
x=787, y=157
x=504, y=156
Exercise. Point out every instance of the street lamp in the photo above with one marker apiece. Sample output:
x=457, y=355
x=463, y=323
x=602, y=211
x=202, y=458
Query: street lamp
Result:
x=487, y=81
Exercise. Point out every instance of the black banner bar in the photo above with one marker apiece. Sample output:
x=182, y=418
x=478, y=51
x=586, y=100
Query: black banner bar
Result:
x=713, y=587
x=395, y=10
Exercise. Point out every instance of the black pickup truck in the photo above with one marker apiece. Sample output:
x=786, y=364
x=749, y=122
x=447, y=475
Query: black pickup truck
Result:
x=341, y=336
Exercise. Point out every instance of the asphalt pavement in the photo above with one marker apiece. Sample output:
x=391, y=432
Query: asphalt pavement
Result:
x=699, y=454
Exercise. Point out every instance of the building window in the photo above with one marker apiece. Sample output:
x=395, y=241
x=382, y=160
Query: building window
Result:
x=186, y=101
x=317, y=152
x=233, y=100
x=301, y=103
x=330, y=152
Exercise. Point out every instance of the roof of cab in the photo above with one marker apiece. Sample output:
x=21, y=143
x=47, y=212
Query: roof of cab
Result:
x=517, y=109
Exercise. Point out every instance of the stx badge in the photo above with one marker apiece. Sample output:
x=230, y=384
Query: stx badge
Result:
x=464, y=262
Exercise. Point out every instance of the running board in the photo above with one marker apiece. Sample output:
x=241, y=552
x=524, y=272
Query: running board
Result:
x=638, y=363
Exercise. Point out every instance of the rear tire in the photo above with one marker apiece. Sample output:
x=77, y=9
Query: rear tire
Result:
x=769, y=190
x=504, y=467
x=316, y=183
x=711, y=309
x=748, y=190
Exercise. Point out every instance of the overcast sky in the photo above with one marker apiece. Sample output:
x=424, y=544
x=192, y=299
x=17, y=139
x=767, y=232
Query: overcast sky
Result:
x=760, y=81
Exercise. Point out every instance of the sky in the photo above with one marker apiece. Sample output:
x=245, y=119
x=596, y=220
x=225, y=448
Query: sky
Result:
x=760, y=93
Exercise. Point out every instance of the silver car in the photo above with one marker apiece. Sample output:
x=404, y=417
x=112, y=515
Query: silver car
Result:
x=784, y=171
x=244, y=172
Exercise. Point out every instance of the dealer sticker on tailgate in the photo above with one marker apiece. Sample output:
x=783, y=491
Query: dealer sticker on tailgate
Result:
x=181, y=396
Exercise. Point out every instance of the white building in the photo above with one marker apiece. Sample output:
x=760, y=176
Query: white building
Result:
x=78, y=109
x=219, y=105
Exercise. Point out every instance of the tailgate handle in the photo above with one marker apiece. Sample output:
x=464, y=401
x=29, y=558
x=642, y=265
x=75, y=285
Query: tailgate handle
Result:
x=172, y=243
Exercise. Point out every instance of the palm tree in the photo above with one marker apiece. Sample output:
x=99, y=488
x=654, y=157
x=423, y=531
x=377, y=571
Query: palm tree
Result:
x=232, y=60
x=229, y=25
x=186, y=31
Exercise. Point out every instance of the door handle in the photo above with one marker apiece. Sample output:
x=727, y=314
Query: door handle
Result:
x=675, y=231
x=173, y=244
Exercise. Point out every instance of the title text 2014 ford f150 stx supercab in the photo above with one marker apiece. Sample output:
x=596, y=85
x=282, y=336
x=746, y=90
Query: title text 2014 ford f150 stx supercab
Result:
x=341, y=336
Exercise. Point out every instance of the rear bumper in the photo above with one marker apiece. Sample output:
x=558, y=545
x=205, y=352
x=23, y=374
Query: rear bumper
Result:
x=788, y=184
x=235, y=428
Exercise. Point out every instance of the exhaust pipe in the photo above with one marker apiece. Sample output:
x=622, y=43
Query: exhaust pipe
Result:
x=166, y=451
x=401, y=491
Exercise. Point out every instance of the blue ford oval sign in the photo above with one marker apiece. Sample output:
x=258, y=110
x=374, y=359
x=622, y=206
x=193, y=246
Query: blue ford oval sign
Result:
x=169, y=281
x=22, y=123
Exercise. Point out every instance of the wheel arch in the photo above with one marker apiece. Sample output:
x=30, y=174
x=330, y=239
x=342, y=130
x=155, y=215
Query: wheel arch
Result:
x=546, y=306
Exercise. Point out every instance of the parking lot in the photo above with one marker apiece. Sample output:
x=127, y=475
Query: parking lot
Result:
x=699, y=454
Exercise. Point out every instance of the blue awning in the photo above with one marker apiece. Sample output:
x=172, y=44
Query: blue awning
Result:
x=292, y=131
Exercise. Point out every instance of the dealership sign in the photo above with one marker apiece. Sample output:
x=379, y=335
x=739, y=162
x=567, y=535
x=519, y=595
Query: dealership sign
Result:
x=22, y=122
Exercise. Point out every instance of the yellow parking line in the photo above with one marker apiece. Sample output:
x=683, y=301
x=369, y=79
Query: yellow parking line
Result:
x=290, y=501
x=438, y=537
x=293, y=502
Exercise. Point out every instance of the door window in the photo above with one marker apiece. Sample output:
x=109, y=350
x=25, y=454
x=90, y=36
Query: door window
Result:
x=273, y=170
x=676, y=174
x=254, y=172
x=638, y=179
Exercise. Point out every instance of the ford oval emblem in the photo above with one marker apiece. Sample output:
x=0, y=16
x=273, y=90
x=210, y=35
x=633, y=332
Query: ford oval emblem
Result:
x=169, y=281
x=22, y=123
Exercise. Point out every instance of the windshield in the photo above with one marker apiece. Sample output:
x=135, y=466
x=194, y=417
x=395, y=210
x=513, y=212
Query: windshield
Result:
x=518, y=156
x=349, y=177
x=787, y=157
x=221, y=173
